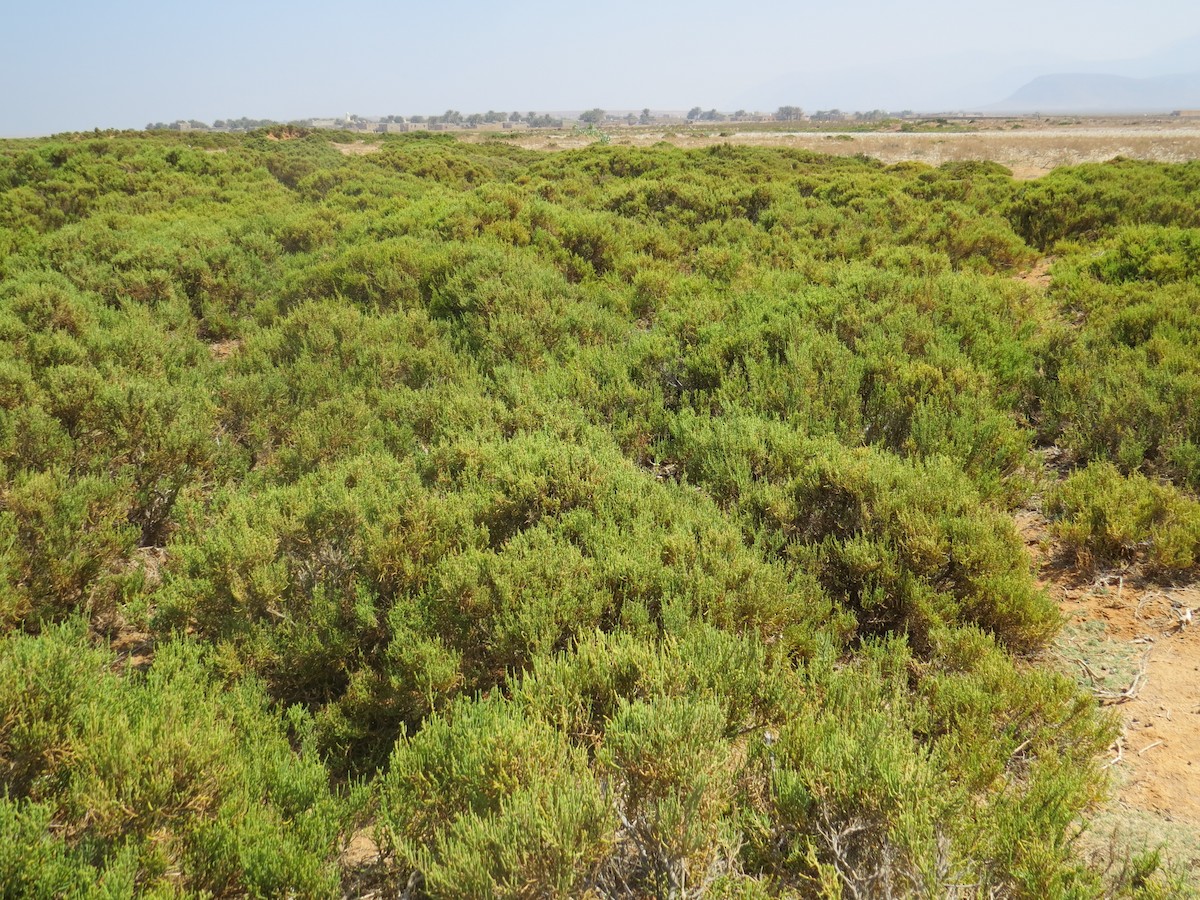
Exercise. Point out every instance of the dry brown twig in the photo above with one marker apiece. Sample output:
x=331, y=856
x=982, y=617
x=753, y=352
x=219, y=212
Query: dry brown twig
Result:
x=1087, y=670
x=1130, y=692
x=1022, y=747
x=1119, y=744
x=1146, y=598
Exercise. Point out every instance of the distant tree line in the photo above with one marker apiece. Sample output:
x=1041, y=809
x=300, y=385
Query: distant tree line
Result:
x=595, y=116
x=177, y=125
x=242, y=124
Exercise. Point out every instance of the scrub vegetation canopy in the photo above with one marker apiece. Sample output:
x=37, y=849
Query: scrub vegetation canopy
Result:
x=616, y=522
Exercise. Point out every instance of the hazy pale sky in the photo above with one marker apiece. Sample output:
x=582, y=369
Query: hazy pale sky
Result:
x=75, y=65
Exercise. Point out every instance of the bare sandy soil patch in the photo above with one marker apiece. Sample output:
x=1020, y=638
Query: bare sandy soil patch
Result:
x=357, y=148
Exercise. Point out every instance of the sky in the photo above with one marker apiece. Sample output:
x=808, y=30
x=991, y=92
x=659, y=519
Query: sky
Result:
x=73, y=65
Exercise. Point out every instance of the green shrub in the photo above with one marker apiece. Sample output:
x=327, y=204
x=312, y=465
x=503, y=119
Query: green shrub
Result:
x=906, y=547
x=1125, y=387
x=1103, y=516
x=156, y=777
x=65, y=543
x=671, y=771
x=486, y=803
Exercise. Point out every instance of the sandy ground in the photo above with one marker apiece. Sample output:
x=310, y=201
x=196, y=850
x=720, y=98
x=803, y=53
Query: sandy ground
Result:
x=357, y=148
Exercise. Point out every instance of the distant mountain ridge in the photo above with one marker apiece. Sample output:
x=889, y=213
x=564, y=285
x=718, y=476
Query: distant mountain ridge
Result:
x=1082, y=92
x=1032, y=80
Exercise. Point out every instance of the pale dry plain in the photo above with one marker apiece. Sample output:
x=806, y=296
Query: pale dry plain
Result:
x=1030, y=147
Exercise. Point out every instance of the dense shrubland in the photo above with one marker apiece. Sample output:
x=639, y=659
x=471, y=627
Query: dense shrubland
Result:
x=623, y=521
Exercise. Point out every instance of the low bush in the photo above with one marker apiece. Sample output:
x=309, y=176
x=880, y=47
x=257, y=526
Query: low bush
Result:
x=152, y=781
x=906, y=547
x=485, y=802
x=1104, y=516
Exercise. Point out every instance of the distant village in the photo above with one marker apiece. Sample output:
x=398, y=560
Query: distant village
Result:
x=452, y=120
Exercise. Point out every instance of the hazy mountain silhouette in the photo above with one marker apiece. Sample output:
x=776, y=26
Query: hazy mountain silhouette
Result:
x=953, y=81
x=974, y=82
x=1098, y=93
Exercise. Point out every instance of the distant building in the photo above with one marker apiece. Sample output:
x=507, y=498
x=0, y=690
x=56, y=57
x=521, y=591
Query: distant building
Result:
x=401, y=127
x=1187, y=113
x=515, y=126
